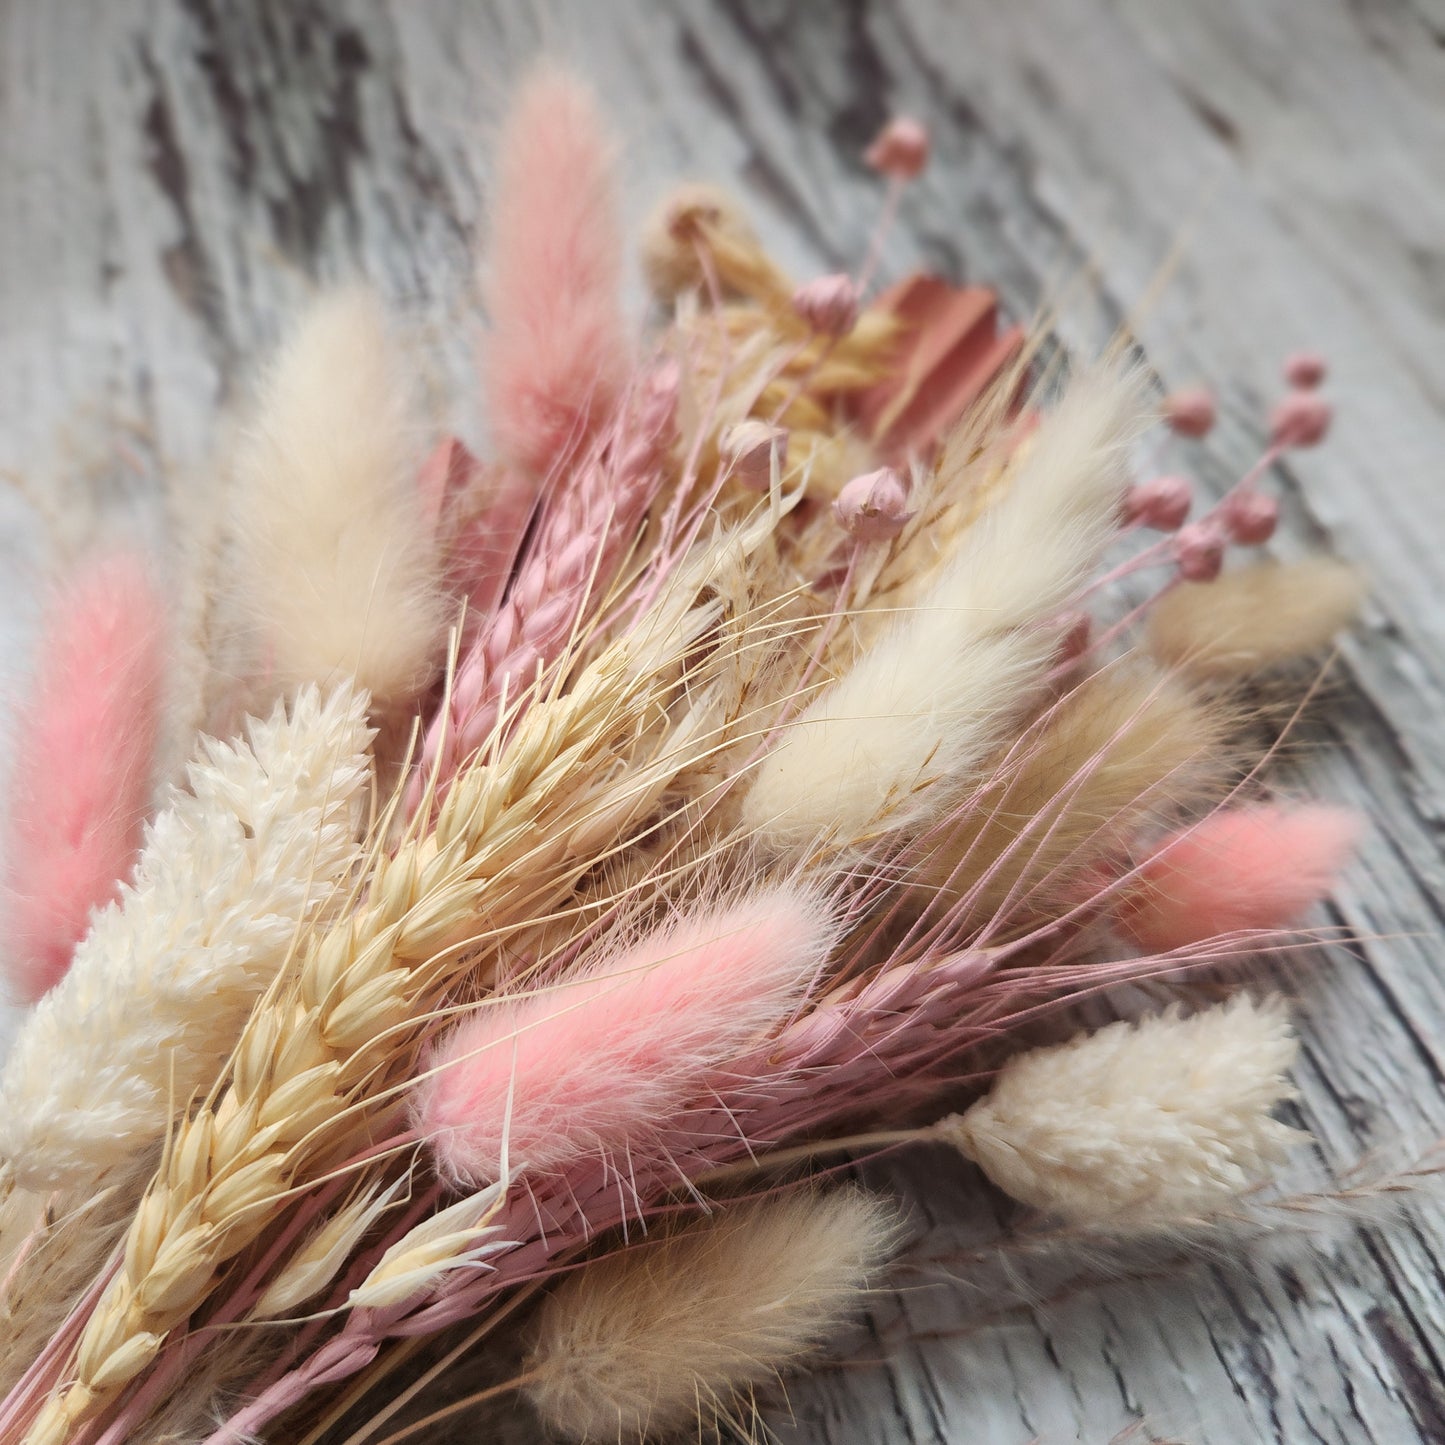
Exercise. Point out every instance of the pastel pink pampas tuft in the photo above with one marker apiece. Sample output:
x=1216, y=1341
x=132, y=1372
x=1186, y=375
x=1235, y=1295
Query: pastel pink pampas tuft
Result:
x=596, y=1063
x=82, y=772
x=1242, y=868
x=556, y=353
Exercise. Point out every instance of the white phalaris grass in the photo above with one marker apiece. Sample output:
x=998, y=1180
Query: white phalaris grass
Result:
x=265, y=842
x=673, y=1332
x=929, y=702
x=1142, y=1125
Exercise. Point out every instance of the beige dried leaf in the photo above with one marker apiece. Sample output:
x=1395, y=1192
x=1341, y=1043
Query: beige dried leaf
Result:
x=319, y=1259
x=453, y=1238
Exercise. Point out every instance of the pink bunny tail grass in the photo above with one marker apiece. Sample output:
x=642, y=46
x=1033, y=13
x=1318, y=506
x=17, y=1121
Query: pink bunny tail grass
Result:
x=84, y=748
x=841, y=1055
x=558, y=345
x=590, y=1067
x=1241, y=868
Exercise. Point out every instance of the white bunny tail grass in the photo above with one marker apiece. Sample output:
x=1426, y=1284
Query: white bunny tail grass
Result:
x=648, y=1340
x=265, y=842
x=1140, y=1126
x=1255, y=617
x=928, y=703
x=335, y=567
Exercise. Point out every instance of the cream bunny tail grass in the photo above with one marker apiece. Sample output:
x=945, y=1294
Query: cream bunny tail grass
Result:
x=335, y=567
x=674, y=1333
x=1139, y=1126
x=929, y=701
x=1254, y=618
x=1128, y=742
x=265, y=842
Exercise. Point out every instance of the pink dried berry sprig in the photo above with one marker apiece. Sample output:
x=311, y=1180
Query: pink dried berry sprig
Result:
x=898, y=152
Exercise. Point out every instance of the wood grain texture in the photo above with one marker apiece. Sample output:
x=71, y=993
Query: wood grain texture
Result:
x=176, y=175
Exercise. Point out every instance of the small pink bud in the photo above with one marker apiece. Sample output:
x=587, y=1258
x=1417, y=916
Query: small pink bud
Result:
x=829, y=305
x=696, y=206
x=1305, y=370
x=1190, y=411
x=1199, y=551
x=1078, y=628
x=1250, y=517
x=873, y=506
x=899, y=149
x=748, y=448
x=1301, y=420
x=1161, y=503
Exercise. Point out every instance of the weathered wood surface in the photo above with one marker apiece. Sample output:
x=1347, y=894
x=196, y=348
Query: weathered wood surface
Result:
x=175, y=175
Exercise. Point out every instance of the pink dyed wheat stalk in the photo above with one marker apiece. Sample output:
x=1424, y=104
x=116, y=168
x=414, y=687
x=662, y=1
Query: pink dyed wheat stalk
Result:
x=584, y=534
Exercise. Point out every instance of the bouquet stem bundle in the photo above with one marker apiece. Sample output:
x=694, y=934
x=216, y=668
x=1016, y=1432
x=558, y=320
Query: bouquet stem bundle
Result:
x=795, y=762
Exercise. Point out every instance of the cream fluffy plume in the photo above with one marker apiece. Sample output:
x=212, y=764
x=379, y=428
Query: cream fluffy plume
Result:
x=557, y=352
x=1255, y=617
x=652, y=1338
x=265, y=841
x=1141, y=1125
x=336, y=568
x=930, y=700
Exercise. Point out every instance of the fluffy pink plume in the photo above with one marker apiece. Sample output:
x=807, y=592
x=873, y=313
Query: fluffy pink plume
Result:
x=1256, y=867
x=592, y=1065
x=83, y=752
x=558, y=354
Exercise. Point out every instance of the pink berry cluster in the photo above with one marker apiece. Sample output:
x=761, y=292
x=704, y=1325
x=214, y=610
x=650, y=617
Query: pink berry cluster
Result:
x=1246, y=516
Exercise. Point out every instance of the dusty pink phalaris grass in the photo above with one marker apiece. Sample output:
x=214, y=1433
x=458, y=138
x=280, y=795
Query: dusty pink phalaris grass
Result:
x=1198, y=550
x=1301, y=419
x=750, y=449
x=1262, y=866
x=1250, y=517
x=1305, y=370
x=900, y=149
x=84, y=747
x=828, y=304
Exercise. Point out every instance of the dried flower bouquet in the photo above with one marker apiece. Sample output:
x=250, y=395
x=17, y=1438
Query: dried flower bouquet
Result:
x=726, y=777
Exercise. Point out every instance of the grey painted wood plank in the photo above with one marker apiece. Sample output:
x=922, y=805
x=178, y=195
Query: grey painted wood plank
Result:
x=177, y=174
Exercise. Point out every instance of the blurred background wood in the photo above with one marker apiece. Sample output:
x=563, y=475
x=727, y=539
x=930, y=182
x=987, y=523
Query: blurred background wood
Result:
x=1234, y=179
